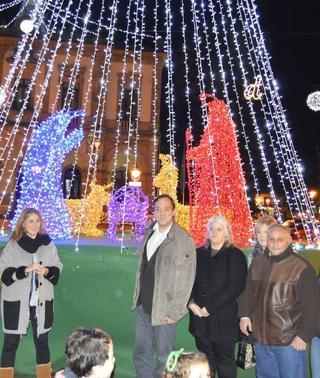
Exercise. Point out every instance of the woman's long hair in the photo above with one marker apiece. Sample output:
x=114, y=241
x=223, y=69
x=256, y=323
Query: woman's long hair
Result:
x=226, y=226
x=18, y=231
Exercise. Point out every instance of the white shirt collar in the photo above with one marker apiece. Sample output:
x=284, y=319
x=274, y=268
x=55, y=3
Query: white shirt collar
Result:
x=166, y=231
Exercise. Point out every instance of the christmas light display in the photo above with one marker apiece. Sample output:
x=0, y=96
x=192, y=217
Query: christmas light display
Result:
x=92, y=207
x=313, y=101
x=223, y=192
x=41, y=171
x=167, y=181
x=128, y=205
x=220, y=40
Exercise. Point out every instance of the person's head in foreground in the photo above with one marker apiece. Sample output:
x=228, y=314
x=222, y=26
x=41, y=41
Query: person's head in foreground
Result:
x=279, y=239
x=89, y=353
x=187, y=365
x=261, y=229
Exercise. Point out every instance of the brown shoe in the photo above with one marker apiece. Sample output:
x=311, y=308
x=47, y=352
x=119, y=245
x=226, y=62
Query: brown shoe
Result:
x=6, y=372
x=44, y=370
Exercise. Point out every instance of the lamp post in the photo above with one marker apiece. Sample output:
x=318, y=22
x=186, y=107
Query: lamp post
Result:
x=135, y=177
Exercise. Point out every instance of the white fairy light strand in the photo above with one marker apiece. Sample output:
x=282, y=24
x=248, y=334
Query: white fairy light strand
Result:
x=155, y=96
x=310, y=221
x=237, y=92
x=19, y=117
x=251, y=109
x=291, y=161
x=234, y=81
x=10, y=142
x=74, y=73
x=122, y=86
x=186, y=66
x=20, y=60
x=138, y=98
x=239, y=105
x=135, y=53
x=16, y=16
x=101, y=104
x=169, y=88
x=12, y=4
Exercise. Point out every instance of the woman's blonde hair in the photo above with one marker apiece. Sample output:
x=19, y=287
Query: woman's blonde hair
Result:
x=186, y=363
x=18, y=231
x=265, y=220
x=226, y=226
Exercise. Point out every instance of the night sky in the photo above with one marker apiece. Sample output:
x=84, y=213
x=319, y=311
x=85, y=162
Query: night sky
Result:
x=292, y=32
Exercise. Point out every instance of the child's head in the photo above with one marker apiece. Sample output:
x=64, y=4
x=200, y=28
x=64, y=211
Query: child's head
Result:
x=261, y=229
x=188, y=364
x=89, y=353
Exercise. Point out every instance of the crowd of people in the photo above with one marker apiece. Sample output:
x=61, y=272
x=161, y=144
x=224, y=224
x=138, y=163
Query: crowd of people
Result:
x=276, y=300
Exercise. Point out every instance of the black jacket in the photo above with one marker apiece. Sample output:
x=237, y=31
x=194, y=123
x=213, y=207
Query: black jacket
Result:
x=219, y=282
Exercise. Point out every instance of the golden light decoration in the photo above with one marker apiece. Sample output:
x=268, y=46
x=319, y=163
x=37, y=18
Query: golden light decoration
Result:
x=252, y=91
x=167, y=178
x=167, y=181
x=86, y=213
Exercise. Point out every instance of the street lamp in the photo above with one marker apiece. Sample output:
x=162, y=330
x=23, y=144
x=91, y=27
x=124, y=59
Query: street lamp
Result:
x=135, y=177
x=135, y=174
x=312, y=194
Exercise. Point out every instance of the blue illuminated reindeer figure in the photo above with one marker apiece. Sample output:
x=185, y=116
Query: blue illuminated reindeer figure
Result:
x=41, y=169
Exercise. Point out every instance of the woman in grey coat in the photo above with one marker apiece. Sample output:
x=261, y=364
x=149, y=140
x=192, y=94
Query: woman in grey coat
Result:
x=29, y=268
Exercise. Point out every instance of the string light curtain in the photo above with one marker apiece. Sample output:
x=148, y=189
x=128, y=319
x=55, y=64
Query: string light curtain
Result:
x=216, y=47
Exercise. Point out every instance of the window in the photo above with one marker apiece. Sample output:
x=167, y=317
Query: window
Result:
x=120, y=178
x=129, y=102
x=72, y=185
x=21, y=95
x=66, y=97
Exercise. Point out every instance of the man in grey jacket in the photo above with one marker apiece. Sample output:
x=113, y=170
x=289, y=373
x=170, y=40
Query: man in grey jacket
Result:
x=164, y=282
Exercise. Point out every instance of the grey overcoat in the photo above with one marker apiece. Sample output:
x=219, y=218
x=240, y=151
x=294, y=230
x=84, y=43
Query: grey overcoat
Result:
x=175, y=270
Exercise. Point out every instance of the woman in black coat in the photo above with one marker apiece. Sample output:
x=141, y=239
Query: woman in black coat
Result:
x=220, y=279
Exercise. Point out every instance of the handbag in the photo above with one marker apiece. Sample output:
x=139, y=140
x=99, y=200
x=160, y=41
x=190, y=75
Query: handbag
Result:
x=246, y=355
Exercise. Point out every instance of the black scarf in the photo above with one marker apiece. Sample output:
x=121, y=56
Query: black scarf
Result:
x=31, y=245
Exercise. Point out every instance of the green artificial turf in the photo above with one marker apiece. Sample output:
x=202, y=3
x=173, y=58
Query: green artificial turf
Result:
x=95, y=290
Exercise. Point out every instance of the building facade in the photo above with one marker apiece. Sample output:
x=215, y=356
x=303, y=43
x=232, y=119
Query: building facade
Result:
x=111, y=148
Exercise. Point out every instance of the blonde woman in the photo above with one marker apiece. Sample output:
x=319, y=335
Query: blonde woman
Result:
x=220, y=279
x=29, y=269
x=261, y=229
